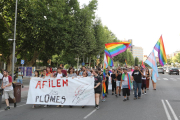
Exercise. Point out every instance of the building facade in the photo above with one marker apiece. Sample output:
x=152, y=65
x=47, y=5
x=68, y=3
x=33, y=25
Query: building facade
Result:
x=137, y=52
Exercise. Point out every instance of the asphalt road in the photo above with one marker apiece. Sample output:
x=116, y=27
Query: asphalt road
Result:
x=162, y=104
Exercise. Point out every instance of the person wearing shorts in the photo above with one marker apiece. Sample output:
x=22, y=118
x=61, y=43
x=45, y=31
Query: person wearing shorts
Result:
x=97, y=87
x=118, y=81
x=8, y=89
x=20, y=77
x=125, y=84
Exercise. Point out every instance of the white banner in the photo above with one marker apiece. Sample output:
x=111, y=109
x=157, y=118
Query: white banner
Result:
x=63, y=91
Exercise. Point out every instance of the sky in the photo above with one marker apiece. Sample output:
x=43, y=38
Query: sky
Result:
x=143, y=21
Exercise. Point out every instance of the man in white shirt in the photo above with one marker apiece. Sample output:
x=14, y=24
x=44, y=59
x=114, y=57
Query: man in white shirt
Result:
x=8, y=89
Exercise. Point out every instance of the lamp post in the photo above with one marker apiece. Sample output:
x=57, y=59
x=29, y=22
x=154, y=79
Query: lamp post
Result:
x=14, y=43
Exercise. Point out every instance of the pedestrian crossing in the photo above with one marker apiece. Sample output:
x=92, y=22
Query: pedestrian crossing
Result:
x=168, y=79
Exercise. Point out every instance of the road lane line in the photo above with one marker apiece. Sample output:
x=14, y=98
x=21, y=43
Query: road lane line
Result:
x=173, y=79
x=89, y=114
x=174, y=114
x=165, y=78
x=166, y=111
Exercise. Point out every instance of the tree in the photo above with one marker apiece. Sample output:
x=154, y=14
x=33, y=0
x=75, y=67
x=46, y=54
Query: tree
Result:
x=136, y=61
x=169, y=61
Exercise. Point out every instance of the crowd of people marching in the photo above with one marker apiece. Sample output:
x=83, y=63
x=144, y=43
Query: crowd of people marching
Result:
x=123, y=79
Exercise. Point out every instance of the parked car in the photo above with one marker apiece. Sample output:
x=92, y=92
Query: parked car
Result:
x=174, y=71
x=161, y=70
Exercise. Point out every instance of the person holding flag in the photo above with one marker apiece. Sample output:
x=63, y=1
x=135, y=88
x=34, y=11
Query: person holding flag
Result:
x=126, y=84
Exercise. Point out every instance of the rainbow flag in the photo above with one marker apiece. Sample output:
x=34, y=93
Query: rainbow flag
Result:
x=159, y=47
x=125, y=62
x=129, y=79
x=113, y=49
x=109, y=61
x=104, y=76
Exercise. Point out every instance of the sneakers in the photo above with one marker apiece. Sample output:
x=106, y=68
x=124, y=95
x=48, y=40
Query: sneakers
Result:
x=127, y=98
x=119, y=94
x=97, y=107
x=145, y=92
x=103, y=100
x=139, y=97
x=45, y=106
x=57, y=106
x=14, y=104
x=7, y=108
x=135, y=98
x=116, y=95
x=124, y=100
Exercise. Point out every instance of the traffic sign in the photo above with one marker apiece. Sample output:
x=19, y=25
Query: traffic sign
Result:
x=22, y=62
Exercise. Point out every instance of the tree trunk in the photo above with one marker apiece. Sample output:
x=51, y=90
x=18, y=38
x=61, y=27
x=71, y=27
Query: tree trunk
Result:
x=77, y=62
x=89, y=62
x=33, y=60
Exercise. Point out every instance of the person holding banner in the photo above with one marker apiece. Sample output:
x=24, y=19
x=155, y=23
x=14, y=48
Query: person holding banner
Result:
x=49, y=73
x=36, y=75
x=97, y=87
x=59, y=74
x=44, y=74
x=71, y=73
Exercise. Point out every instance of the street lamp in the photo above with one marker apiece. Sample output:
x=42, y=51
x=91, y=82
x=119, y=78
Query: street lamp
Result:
x=14, y=43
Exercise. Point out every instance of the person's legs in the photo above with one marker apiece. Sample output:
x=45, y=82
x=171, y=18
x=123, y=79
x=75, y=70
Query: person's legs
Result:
x=147, y=84
x=106, y=87
x=135, y=89
x=139, y=89
x=18, y=80
x=112, y=88
x=142, y=86
x=117, y=87
x=97, y=95
x=124, y=94
x=128, y=93
x=11, y=94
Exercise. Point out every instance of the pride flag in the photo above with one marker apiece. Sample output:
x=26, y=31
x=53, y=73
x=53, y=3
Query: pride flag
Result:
x=125, y=62
x=143, y=65
x=151, y=61
x=113, y=49
x=159, y=47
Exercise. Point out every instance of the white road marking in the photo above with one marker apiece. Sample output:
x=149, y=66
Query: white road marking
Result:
x=173, y=79
x=173, y=113
x=166, y=111
x=165, y=78
x=89, y=114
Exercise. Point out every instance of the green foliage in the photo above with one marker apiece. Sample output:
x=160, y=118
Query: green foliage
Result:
x=53, y=29
x=136, y=61
x=127, y=55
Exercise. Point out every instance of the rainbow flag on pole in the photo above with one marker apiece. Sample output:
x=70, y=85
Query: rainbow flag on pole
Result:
x=113, y=49
x=159, y=47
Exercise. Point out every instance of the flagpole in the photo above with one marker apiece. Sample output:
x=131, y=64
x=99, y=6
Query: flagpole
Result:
x=153, y=49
